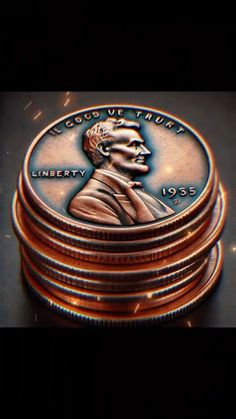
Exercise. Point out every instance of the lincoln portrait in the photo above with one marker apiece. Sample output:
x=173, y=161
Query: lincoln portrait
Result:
x=112, y=195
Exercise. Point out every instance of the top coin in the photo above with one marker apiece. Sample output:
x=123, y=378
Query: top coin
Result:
x=118, y=171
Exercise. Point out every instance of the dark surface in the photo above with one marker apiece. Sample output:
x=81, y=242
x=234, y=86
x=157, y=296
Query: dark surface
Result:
x=211, y=113
x=166, y=50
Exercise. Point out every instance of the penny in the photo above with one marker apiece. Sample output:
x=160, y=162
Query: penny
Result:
x=138, y=270
x=122, y=304
x=113, y=286
x=121, y=257
x=118, y=210
x=103, y=245
x=118, y=172
x=159, y=314
x=109, y=301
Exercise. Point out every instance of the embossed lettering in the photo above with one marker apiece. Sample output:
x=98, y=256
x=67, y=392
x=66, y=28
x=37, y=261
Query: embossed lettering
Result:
x=170, y=124
x=58, y=131
x=180, y=129
x=111, y=112
x=55, y=131
x=78, y=120
x=149, y=116
x=69, y=124
x=159, y=119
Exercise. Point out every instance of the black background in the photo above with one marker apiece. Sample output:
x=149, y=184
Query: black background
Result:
x=147, y=372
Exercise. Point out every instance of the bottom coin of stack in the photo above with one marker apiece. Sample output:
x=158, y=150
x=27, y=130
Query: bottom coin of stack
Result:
x=125, y=283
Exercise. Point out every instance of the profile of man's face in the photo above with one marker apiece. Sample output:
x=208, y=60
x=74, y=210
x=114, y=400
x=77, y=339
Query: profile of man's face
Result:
x=127, y=153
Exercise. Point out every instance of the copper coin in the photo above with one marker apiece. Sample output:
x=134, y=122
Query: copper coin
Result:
x=139, y=270
x=104, y=296
x=110, y=245
x=121, y=257
x=149, y=316
x=118, y=172
x=101, y=284
x=121, y=305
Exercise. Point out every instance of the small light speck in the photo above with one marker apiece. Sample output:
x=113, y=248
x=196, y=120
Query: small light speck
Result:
x=66, y=102
x=136, y=308
x=67, y=93
x=224, y=193
x=8, y=152
x=36, y=317
x=189, y=323
x=169, y=169
x=234, y=249
x=8, y=236
x=28, y=105
x=149, y=295
x=37, y=115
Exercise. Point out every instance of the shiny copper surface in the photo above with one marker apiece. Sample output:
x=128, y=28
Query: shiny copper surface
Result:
x=148, y=316
x=110, y=296
x=134, y=238
x=118, y=246
x=140, y=270
x=116, y=304
x=104, y=285
x=116, y=258
x=148, y=229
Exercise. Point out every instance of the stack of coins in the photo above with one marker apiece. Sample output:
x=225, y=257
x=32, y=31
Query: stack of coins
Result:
x=119, y=211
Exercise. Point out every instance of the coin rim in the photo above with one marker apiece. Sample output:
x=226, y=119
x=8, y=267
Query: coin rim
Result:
x=99, y=284
x=117, y=231
x=200, y=251
x=105, y=245
x=98, y=256
x=110, y=296
x=197, y=295
x=115, y=307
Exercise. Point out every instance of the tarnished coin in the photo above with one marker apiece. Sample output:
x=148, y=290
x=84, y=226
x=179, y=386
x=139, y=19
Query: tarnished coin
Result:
x=43, y=226
x=138, y=270
x=118, y=172
x=148, y=316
